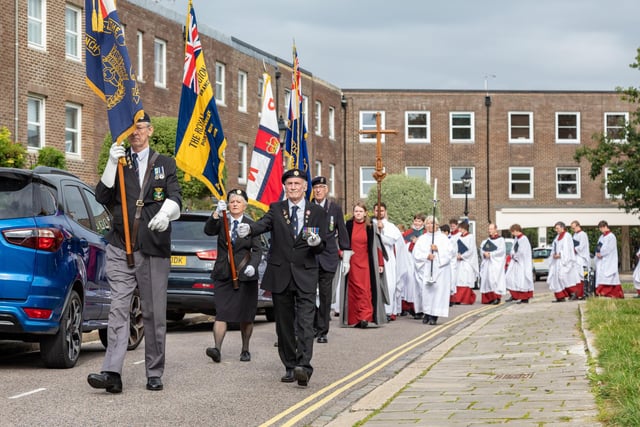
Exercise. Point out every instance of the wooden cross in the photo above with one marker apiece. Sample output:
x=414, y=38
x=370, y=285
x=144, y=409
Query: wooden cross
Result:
x=379, y=173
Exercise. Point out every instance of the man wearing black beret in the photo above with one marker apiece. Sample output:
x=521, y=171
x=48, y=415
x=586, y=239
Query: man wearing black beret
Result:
x=298, y=233
x=329, y=259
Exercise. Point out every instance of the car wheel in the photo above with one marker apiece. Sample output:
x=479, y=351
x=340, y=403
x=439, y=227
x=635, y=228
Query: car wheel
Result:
x=136, y=327
x=175, y=316
x=269, y=314
x=62, y=350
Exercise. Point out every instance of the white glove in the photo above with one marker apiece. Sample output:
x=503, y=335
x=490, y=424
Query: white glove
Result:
x=243, y=230
x=111, y=168
x=313, y=239
x=249, y=271
x=346, y=261
x=222, y=206
x=169, y=211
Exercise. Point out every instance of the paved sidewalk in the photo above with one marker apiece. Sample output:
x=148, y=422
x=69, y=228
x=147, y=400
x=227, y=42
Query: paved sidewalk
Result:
x=522, y=365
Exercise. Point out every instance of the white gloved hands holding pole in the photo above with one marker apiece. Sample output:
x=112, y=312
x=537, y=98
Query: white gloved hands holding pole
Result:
x=169, y=211
x=346, y=261
x=116, y=152
x=221, y=207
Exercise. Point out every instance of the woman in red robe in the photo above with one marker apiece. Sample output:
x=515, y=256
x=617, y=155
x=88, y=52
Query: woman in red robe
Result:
x=364, y=299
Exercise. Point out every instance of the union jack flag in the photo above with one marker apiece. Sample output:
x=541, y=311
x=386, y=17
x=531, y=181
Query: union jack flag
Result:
x=192, y=50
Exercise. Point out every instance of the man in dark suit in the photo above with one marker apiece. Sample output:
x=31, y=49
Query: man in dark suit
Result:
x=298, y=233
x=330, y=257
x=153, y=198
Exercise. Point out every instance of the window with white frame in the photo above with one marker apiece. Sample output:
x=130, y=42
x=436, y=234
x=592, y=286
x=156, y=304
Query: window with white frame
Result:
x=242, y=91
x=332, y=123
x=520, y=127
x=140, y=57
x=73, y=119
x=366, y=180
x=287, y=101
x=417, y=126
x=35, y=122
x=461, y=126
x=568, y=183
x=318, y=165
x=317, y=127
x=220, y=83
x=36, y=23
x=160, y=62
x=72, y=32
x=568, y=128
x=609, y=177
x=520, y=182
x=457, y=189
x=423, y=173
x=305, y=111
x=614, y=126
x=260, y=87
x=242, y=163
x=368, y=123
x=332, y=180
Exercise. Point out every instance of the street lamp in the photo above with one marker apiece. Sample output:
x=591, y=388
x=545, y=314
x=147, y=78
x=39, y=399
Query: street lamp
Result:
x=466, y=181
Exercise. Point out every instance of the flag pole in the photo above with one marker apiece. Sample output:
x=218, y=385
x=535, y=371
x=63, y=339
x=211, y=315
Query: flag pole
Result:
x=232, y=263
x=125, y=215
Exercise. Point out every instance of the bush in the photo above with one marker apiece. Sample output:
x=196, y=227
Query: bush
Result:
x=49, y=156
x=12, y=155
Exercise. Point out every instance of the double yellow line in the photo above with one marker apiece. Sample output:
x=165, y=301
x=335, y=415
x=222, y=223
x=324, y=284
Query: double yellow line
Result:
x=365, y=372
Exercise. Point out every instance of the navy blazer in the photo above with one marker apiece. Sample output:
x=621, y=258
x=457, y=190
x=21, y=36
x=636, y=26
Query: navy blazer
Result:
x=291, y=258
x=241, y=248
x=163, y=184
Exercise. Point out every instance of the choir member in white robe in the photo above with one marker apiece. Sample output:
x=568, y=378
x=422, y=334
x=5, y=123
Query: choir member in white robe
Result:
x=636, y=275
x=397, y=265
x=519, y=275
x=607, y=277
x=432, y=256
x=564, y=277
x=467, y=267
x=494, y=257
x=583, y=257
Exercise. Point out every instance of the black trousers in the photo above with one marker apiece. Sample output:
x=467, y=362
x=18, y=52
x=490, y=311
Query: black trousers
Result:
x=294, y=311
x=323, y=312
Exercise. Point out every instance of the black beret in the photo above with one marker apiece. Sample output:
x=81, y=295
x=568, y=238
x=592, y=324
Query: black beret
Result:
x=145, y=118
x=237, y=192
x=319, y=180
x=293, y=173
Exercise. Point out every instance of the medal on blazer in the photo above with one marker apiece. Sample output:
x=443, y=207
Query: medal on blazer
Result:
x=158, y=172
x=158, y=194
x=306, y=231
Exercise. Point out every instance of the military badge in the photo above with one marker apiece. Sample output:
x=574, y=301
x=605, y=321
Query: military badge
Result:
x=158, y=194
x=158, y=172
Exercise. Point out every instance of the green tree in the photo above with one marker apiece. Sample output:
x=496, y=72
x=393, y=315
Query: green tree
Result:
x=12, y=155
x=196, y=195
x=621, y=159
x=404, y=196
x=49, y=156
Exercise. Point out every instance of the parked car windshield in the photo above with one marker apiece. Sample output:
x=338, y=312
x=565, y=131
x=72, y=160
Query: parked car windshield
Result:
x=541, y=253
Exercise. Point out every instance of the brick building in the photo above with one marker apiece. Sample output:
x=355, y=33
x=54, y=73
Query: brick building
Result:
x=517, y=145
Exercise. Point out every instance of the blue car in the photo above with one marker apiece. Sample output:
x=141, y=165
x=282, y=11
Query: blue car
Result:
x=53, y=285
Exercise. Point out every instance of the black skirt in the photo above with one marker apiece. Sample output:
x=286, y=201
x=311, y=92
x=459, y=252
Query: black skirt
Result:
x=236, y=305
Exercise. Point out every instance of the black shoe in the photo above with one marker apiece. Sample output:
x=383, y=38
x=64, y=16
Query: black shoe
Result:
x=509, y=299
x=245, y=356
x=433, y=320
x=362, y=324
x=495, y=302
x=523, y=301
x=154, y=384
x=288, y=377
x=110, y=381
x=322, y=339
x=214, y=354
x=418, y=316
x=426, y=319
x=301, y=375
x=573, y=297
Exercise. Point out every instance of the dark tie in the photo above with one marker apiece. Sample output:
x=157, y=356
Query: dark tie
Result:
x=515, y=247
x=134, y=160
x=294, y=220
x=234, y=231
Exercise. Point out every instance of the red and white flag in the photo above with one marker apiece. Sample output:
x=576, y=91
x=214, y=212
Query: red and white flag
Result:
x=264, y=185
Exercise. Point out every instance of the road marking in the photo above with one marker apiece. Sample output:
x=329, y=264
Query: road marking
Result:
x=139, y=362
x=365, y=372
x=18, y=396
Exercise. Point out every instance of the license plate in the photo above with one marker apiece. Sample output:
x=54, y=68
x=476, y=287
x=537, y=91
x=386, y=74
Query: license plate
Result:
x=178, y=260
x=538, y=260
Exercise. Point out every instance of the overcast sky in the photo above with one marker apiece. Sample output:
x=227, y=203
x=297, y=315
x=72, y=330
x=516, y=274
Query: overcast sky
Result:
x=441, y=44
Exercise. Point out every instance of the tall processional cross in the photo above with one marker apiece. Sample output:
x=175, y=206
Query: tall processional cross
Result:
x=379, y=173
